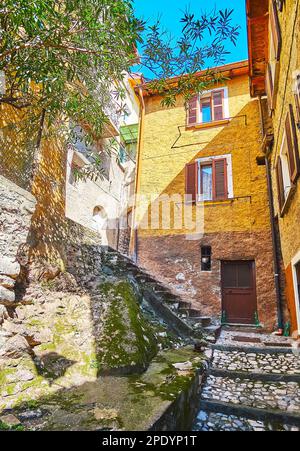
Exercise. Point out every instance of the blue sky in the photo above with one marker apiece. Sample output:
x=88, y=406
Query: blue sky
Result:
x=170, y=13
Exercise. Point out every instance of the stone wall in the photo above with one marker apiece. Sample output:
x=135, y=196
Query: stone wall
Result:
x=289, y=67
x=16, y=209
x=176, y=261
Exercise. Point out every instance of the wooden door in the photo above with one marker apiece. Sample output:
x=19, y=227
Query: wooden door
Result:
x=239, y=292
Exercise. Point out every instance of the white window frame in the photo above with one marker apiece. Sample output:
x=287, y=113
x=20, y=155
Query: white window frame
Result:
x=295, y=261
x=287, y=184
x=208, y=93
x=207, y=160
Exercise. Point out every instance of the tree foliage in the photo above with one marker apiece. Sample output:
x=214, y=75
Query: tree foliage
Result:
x=66, y=60
x=66, y=56
x=202, y=45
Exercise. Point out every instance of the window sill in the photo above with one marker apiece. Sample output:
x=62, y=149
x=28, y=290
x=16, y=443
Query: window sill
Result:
x=208, y=125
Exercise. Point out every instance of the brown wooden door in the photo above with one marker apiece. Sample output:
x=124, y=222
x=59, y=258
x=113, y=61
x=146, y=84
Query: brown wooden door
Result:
x=239, y=292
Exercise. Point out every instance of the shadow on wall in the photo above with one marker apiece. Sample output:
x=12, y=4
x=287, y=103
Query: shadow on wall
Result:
x=236, y=229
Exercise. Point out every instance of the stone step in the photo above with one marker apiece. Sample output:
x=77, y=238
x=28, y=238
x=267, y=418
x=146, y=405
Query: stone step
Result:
x=254, y=349
x=241, y=375
x=205, y=321
x=213, y=329
x=185, y=305
x=262, y=363
x=220, y=417
x=282, y=396
x=189, y=312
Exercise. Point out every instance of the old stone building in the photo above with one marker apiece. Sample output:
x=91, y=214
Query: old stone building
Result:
x=274, y=31
x=211, y=153
x=104, y=204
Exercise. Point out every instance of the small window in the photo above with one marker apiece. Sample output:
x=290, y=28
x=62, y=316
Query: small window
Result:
x=205, y=258
x=210, y=107
x=213, y=180
x=122, y=155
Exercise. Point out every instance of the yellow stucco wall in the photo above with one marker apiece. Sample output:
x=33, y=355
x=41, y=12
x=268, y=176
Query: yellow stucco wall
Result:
x=289, y=63
x=48, y=186
x=161, y=168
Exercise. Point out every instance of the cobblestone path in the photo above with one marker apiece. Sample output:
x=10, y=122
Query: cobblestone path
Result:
x=251, y=387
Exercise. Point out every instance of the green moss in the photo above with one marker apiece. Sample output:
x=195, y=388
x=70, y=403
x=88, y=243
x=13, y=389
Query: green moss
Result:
x=127, y=339
x=7, y=427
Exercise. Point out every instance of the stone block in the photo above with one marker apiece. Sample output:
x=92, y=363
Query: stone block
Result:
x=9, y=267
x=7, y=282
x=7, y=297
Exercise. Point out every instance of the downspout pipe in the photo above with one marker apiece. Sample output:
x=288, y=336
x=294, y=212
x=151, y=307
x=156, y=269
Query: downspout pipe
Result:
x=280, y=320
x=134, y=235
x=276, y=264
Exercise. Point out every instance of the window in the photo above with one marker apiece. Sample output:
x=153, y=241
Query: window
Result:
x=210, y=107
x=205, y=258
x=122, y=155
x=288, y=163
x=209, y=179
x=206, y=177
x=274, y=55
x=213, y=180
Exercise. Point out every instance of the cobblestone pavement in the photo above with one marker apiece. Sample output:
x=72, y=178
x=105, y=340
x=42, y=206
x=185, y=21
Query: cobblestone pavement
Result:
x=250, y=379
x=257, y=362
x=264, y=395
x=220, y=422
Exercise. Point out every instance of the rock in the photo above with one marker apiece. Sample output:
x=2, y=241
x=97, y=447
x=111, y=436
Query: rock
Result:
x=7, y=297
x=10, y=420
x=30, y=415
x=105, y=414
x=6, y=281
x=180, y=277
x=9, y=267
x=15, y=347
x=3, y=314
x=24, y=375
x=183, y=366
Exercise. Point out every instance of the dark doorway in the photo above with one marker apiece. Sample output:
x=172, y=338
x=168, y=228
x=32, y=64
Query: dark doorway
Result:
x=239, y=292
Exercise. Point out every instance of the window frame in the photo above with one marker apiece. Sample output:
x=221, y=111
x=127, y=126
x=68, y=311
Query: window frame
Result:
x=228, y=187
x=206, y=252
x=209, y=94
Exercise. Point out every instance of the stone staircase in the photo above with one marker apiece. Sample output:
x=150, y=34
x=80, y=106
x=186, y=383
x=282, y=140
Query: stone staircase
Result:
x=251, y=388
x=179, y=314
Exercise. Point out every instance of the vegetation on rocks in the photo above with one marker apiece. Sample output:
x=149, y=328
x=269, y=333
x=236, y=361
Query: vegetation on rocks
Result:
x=127, y=342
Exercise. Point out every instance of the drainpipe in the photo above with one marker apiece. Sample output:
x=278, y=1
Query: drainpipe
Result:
x=280, y=322
x=134, y=230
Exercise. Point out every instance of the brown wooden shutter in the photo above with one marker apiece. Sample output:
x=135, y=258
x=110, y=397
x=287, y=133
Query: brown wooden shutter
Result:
x=220, y=179
x=280, y=186
x=292, y=144
x=191, y=181
x=218, y=113
x=269, y=87
x=193, y=111
x=275, y=29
